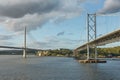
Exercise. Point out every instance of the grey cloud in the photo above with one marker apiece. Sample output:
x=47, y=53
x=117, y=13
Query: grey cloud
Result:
x=60, y=33
x=110, y=6
x=32, y=22
x=6, y=43
x=35, y=13
x=70, y=33
x=54, y=42
x=42, y=45
x=6, y=37
x=20, y=10
x=63, y=33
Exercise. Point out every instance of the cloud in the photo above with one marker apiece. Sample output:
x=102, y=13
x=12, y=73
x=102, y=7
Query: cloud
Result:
x=19, y=8
x=70, y=33
x=15, y=14
x=6, y=37
x=54, y=42
x=60, y=33
x=6, y=43
x=5, y=40
x=110, y=6
x=63, y=33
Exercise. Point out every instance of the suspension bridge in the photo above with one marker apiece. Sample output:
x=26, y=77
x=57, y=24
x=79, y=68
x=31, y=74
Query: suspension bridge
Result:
x=103, y=40
x=93, y=41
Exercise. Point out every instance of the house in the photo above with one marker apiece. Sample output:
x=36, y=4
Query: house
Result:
x=42, y=53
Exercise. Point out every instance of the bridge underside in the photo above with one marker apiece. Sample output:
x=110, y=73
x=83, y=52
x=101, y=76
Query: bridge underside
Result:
x=106, y=39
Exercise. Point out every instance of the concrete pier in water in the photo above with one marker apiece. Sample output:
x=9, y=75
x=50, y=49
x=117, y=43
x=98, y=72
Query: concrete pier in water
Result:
x=92, y=61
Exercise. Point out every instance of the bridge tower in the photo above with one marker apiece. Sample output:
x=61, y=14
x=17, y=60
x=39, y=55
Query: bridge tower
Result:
x=91, y=33
x=24, y=50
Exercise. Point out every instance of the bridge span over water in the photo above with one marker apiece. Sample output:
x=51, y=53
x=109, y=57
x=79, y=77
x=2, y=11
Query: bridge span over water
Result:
x=92, y=40
x=10, y=47
x=106, y=39
x=25, y=49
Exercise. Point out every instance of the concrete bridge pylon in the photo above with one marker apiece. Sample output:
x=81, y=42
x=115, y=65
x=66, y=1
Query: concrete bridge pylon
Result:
x=24, y=49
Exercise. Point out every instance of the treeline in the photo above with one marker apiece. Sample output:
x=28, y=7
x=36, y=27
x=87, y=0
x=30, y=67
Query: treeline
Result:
x=55, y=52
x=103, y=52
x=113, y=51
x=60, y=52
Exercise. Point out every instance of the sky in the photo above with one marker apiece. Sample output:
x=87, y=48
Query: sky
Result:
x=54, y=24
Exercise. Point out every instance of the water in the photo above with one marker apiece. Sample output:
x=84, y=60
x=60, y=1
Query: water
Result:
x=55, y=68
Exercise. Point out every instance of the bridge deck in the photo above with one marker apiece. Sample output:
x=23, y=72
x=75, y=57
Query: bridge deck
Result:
x=108, y=38
x=10, y=47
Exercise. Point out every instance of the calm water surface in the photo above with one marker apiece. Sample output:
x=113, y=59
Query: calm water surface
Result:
x=55, y=68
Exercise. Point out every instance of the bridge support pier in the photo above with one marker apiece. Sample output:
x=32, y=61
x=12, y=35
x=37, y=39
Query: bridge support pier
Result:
x=92, y=61
x=24, y=53
x=88, y=52
x=91, y=33
x=96, y=53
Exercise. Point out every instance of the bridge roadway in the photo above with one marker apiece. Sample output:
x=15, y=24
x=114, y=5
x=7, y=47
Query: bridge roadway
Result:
x=10, y=47
x=106, y=39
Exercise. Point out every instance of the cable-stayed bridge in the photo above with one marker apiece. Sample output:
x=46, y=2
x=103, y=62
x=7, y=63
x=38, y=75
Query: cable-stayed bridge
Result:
x=25, y=49
x=10, y=47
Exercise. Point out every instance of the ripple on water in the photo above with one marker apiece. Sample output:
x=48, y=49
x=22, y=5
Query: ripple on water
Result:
x=55, y=68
